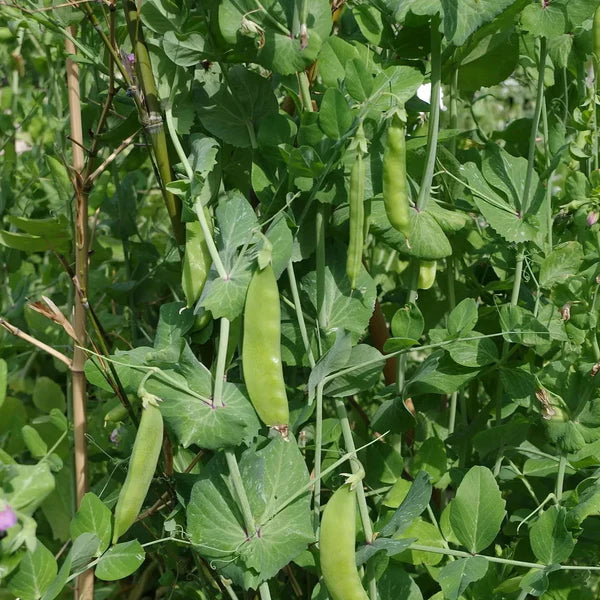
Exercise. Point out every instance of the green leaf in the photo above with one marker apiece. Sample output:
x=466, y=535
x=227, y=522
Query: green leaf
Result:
x=335, y=359
x=473, y=353
x=460, y=18
x=93, y=516
x=85, y=548
x=47, y=394
x=28, y=485
x=545, y=20
x=408, y=322
x=457, y=575
x=359, y=81
x=278, y=44
x=550, y=540
x=521, y=327
x=192, y=416
x=270, y=476
x=431, y=458
x=439, y=374
x=462, y=318
x=501, y=216
x=35, y=444
x=61, y=186
x=361, y=379
x=60, y=581
x=335, y=54
x=396, y=584
x=413, y=505
x=535, y=582
x=381, y=544
x=563, y=262
x=335, y=117
x=36, y=571
x=31, y=243
x=235, y=109
x=120, y=560
x=426, y=534
x=343, y=308
x=477, y=510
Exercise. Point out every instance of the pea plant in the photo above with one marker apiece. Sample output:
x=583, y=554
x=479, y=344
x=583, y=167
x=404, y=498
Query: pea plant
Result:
x=299, y=299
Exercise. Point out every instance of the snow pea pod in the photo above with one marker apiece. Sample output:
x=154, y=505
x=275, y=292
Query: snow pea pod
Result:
x=142, y=464
x=357, y=220
x=261, y=350
x=196, y=261
x=395, y=186
x=337, y=540
x=427, y=270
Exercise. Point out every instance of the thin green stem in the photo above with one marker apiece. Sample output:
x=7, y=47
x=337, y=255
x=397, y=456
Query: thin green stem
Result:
x=318, y=454
x=320, y=258
x=523, y=595
x=560, y=476
x=300, y=314
x=221, y=362
x=549, y=220
x=434, y=115
x=514, y=299
x=534, y=127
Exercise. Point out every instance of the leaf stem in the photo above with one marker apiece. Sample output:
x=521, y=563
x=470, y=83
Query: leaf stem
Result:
x=534, y=126
x=434, y=115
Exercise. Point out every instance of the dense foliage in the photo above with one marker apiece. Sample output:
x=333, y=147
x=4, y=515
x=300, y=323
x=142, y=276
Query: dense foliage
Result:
x=343, y=251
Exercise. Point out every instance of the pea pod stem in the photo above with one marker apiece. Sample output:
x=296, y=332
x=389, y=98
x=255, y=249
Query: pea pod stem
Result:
x=300, y=314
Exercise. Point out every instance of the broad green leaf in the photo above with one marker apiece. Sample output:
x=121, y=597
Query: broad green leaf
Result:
x=408, y=322
x=233, y=112
x=120, y=560
x=193, y=417
x=363, y=378
x=60, y=581
x=343, y=308
x=462, y=318
x=521, y=327
x=562, y=263
x=547, y=19
x=550, y=540
x=27, y=486
x=460, y=18
x=426, y=534
x=47, y=394
x=32, y=243
x=501, y=216
x=477, y=510
x=588, y=504
x=439, y=374
x=390, y=547
x=535, y=582
x=35, y=444
x=473, y=352
x=397, y=584
x=335, y=117
x=457, y=575
x=431, y=458
x=359, y=81
x=270, y=476
x=85, y=548
x=36, y=571
x=412, y=506
x=335, y=54
x=204, y=153
x=507, y=435
x=62, y=186
x=427, y=239
x=334, y=359
x=93, y=516
x=271, y=36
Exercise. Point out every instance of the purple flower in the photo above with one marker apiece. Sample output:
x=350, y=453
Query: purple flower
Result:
x=131, y=58
x=115, y=437
x=592, y=218
x=8, y=518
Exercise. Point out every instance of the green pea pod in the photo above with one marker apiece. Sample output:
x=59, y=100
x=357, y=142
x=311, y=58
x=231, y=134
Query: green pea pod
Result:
x=357, y=220
x=395, y=186
x=196, y=261
x=116, y=414
x=336, y=542
x=142, y=464
x=427, y=269
x=261, y=350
